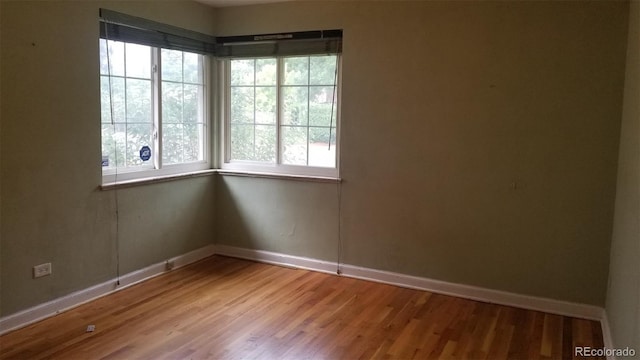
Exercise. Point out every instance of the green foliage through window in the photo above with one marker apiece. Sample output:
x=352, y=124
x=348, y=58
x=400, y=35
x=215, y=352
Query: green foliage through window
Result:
x=302, y=131
x=130, y=102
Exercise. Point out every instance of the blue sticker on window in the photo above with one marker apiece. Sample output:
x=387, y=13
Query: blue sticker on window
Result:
x=105, y=161
x=145, y=153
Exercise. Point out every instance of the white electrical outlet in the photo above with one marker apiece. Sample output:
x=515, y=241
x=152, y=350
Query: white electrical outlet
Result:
x=41, y=270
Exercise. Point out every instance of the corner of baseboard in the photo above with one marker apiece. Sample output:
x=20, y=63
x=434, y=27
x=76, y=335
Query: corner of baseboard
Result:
x=606, y=334
x=274, y=258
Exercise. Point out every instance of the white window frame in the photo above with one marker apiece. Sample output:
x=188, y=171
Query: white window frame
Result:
x=251, y=167
x=120, y=175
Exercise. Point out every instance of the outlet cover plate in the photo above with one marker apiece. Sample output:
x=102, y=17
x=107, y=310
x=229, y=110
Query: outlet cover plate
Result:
x=41, y=270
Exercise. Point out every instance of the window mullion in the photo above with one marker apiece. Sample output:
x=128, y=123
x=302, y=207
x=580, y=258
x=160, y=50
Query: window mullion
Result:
x=202, y=110
x=309, y=107
x=226, y=64
x=182, y=124
x=156, y=79
x=126, y=112
x=255, y=126
x=337, y=79
x=278, y=110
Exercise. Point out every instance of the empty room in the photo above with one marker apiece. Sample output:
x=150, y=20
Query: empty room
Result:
x=256, y=179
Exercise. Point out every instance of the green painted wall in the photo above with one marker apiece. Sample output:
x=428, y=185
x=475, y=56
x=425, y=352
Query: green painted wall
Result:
x=445, y=105
x=286, y=216
x=623, y=296
x=52, y=209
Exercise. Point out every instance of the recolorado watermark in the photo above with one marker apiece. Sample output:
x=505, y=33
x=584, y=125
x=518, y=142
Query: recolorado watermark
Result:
x=586, y=351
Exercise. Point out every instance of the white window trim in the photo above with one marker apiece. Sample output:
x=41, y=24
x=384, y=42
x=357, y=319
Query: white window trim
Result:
x=252, y=168
x=143, y=175
x=116, y=176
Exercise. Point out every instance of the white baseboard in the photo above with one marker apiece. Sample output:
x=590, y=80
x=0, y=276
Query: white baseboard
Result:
x=54, y=307
x=606, y=334
x=274, y=258
x=441, y=287
x=51, y=308
x=477, y=293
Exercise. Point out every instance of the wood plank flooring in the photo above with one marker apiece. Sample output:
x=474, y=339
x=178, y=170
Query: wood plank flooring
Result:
x=225, y=308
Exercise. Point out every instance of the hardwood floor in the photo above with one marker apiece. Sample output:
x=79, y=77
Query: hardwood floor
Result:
x=224, y=308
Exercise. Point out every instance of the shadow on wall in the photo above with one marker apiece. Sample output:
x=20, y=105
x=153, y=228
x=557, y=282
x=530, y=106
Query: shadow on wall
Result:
x=232, y=229
x=159, y=221
x=287, y=216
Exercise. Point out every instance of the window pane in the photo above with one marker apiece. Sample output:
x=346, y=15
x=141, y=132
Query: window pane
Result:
x=296, y=71
x=115, y=58
x=105, y=100
x=265, y=143
x=295, y=105
x=138, y=135
x=138, y=59
x=288, y=117
x=172, y=144
x=113, y=145
x=242, y=72
x=139, y=101
x=266, y=72
x=191, y=102
x=321, y=106
x=322, y=70
x=242, y=105
x=116, y=95
x=320, y=152
x=171, y=65
x=242, y=142
x=266, y=105
x=294, y=145
x=103, y=57
x=182, y=107
x=128, y=100
x=171, y=102
x=192, y=68
x=193, y=140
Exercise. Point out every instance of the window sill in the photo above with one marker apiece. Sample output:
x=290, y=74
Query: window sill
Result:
x=252, y=174
x=156, y=179
x=208, y=172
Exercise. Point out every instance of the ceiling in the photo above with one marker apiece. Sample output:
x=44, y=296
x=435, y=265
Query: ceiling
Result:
x=222, y=3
